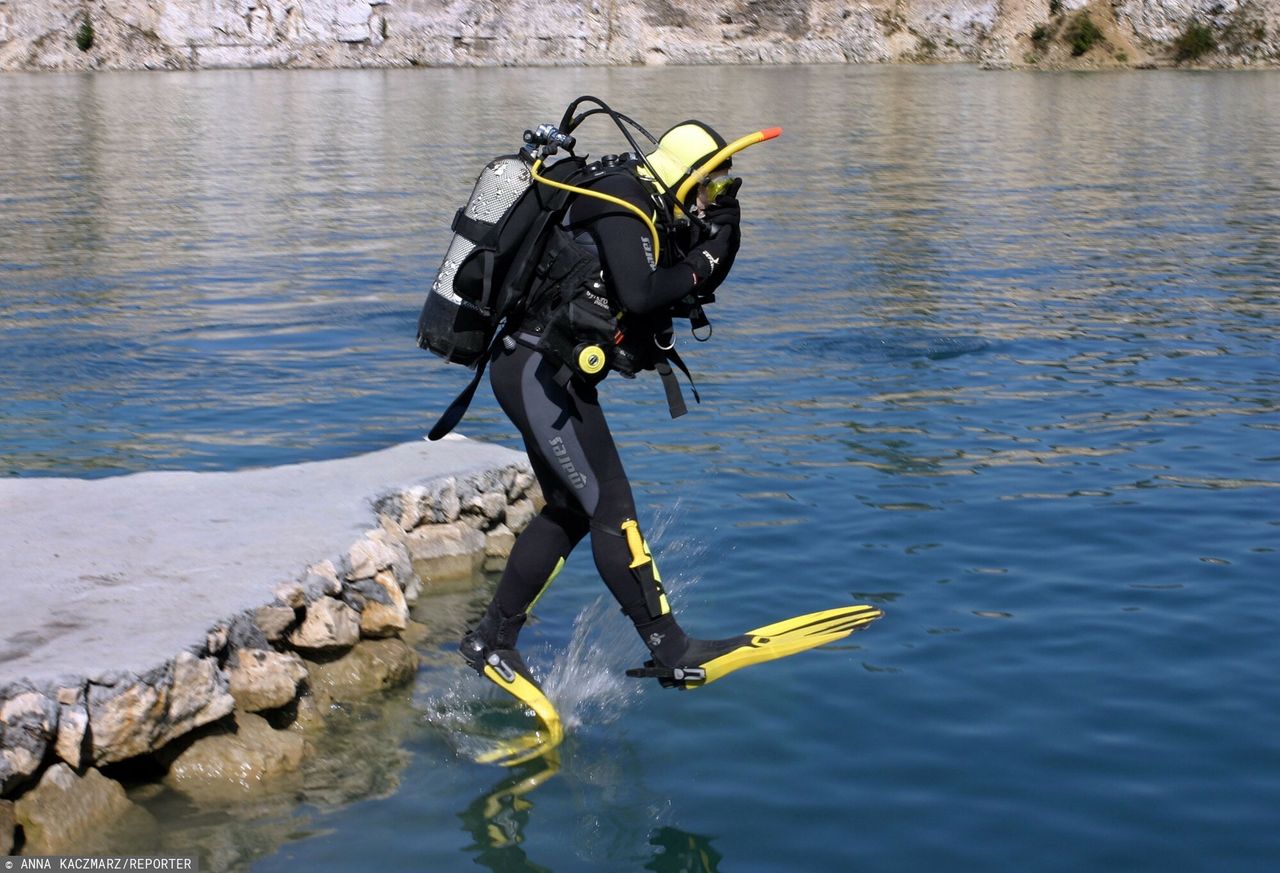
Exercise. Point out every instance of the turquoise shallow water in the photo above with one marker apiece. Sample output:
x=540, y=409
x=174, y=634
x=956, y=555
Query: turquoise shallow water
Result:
x=999, y=355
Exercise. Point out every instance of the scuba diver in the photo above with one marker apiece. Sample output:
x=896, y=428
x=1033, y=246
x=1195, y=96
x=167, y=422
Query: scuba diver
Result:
x=561, y=421
x=557, y=275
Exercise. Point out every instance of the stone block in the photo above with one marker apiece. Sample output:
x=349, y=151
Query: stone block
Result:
x=8, y=821
x=329, y=624
x=291, y=594
x=499, y=542
x=73, y=730
x=142, y=714
x=520, y=513
x=446, y=552
x=371, y=554
x=440, y=502
x=262, y=679
x=64, y=810
x=28, y=726
x=371, y=666
x=274, y=621
x=321, y=580
x=386, y=612
x=228, y=765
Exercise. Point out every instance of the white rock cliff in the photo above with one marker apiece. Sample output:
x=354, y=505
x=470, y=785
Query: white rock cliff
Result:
x=197, y=34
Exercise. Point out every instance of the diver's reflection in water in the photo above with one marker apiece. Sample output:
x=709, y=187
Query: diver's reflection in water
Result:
x=680, y=852
x=498, y=818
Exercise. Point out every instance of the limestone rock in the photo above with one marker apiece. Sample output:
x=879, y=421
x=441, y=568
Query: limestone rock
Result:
x=330, y=624
x=264, y=679
x=230, y=764
x=274, y=621
x=520, y=513
x=370, y=555
x=521, y=484
x=7, y=823
x=64, y=809
x=149, y=34
x=446, y=552
x=291, y=594
x=499, y=542
x=386, y=612
x=73, y=730
x=441, y=502
x=371, y=666
x=142, y=714
x=311, y=709
x=28, y=726
x=321, y=580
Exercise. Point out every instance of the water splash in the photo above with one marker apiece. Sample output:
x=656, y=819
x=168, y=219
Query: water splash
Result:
x=586, y=680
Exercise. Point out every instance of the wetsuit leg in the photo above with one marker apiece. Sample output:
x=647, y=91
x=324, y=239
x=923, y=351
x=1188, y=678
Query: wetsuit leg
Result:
x=577, y=465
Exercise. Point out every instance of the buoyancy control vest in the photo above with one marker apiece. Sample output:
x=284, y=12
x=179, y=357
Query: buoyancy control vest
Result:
x=513, y=267
x=586, y=333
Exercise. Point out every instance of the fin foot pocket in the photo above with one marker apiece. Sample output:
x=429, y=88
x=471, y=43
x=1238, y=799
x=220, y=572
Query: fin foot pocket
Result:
x=708, y=660
x=506, y=669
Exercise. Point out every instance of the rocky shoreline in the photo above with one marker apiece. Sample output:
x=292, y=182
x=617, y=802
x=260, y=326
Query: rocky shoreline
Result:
x=236, y=708
x=998, y=34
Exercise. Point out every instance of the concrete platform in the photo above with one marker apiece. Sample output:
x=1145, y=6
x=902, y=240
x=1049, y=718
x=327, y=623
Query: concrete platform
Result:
x=120, y=574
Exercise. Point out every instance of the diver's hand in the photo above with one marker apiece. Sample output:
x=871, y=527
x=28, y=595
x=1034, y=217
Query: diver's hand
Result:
x=725, y=211
x=708, y=257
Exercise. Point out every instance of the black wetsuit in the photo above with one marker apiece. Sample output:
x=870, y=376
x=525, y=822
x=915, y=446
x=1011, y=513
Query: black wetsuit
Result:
x=564, y=428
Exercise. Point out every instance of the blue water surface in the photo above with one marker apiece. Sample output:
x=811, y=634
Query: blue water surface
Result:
x=999, y=355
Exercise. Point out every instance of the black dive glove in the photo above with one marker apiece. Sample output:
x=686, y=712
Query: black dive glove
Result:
x=725, y=212
x=711, y=261
x=706, y=259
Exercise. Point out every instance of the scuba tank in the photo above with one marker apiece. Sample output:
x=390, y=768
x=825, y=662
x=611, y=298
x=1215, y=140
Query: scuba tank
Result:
x=457, y=317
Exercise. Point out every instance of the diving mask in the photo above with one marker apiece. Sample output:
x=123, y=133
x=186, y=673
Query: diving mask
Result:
x=717, y=186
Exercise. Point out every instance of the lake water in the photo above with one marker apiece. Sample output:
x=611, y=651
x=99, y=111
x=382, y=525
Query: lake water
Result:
x=1000, y=355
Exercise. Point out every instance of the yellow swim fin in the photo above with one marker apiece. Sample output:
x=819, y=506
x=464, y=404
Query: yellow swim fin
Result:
x=709, y=660
x=510, y=674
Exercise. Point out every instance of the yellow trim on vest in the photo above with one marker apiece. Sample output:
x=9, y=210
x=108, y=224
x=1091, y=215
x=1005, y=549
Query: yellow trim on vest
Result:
x=609, y=198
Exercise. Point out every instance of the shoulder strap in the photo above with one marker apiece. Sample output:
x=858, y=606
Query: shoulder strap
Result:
x=453, y=413
x=671, y=385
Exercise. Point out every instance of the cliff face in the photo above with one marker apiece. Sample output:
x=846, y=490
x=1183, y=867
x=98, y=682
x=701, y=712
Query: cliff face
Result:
x=195, y=34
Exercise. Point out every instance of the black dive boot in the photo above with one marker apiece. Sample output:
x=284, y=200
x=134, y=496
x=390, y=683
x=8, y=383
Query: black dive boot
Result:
x=493, y=642
x=677, y=658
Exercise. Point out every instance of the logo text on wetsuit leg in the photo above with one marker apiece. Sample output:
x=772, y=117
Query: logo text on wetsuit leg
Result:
x=561, y=451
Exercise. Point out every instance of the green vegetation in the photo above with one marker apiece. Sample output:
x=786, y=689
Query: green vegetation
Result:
x=84, y=36
x=1083, y=34
x=1040, y=36
x=1055, y=8
x=1194, y=42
